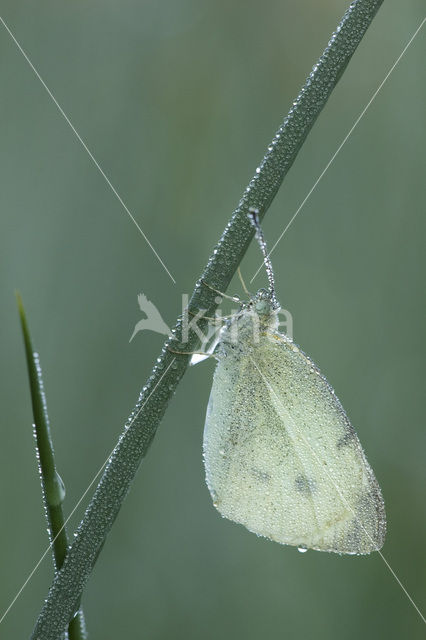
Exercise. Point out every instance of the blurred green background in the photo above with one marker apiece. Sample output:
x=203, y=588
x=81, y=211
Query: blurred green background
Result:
x=178, y=99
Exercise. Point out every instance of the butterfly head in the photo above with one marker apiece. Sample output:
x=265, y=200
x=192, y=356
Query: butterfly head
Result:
x=264, y=304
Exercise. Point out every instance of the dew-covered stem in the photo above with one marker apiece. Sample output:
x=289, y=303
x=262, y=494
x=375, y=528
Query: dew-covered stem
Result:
x=140, y=429
x=53, y=489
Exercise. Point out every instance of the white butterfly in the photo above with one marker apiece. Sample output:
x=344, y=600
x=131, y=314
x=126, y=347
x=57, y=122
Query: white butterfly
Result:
x=281, y=456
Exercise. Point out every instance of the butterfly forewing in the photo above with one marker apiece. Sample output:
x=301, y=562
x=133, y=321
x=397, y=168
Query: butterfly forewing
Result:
x=281, y=456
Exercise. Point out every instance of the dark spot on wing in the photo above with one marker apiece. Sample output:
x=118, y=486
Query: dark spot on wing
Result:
x=304, y=485
x=345, y=440
x=260, y=475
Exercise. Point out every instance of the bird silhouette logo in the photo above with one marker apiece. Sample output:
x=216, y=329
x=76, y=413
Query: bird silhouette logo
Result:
x=153, y=320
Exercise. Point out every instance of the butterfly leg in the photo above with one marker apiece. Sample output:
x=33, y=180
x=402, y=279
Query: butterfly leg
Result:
x=223, y=295
x=216, y=319
x=243, y=284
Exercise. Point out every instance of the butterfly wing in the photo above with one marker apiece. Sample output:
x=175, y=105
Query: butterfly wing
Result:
x=281, y=456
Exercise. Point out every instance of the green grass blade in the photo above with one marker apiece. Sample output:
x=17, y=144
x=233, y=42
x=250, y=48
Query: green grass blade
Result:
x=140, y=429
x=52, y=486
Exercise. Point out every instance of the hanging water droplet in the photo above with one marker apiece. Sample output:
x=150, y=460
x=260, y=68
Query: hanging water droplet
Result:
x=55, y=490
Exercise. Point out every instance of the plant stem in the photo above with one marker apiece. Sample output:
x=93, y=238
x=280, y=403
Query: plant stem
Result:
x=52, y=486
x=140, y=429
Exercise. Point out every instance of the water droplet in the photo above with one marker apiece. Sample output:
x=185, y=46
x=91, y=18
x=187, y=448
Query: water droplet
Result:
x=55, y=490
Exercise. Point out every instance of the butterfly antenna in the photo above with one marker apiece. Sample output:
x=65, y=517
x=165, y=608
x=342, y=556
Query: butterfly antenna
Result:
x=253, y=215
